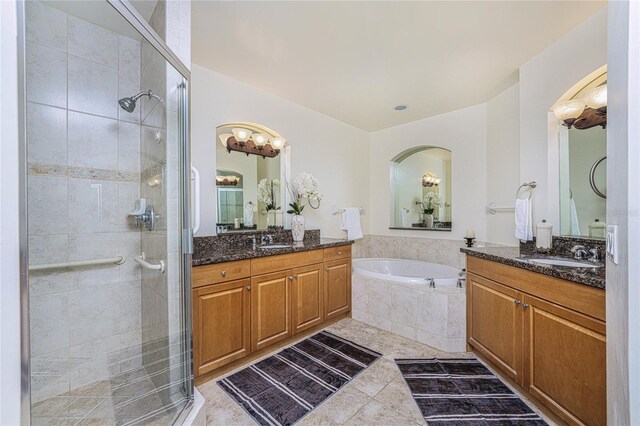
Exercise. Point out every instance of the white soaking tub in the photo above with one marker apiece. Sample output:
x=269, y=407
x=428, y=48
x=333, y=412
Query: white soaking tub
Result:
x=394, y=294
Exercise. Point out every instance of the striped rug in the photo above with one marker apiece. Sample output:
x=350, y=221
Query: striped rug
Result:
x=281, y=389
x=463, y=392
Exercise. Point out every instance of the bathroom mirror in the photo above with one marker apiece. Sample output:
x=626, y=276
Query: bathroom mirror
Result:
x=583, y=170
x=248, y=189
x=421, y=189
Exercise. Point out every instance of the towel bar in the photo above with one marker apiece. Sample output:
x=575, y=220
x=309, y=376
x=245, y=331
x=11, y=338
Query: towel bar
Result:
x=141, y=260
x=118, y=260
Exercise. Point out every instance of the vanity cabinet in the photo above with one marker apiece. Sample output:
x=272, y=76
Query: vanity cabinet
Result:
x=546, y=334
x=270, y=309
x=307, y=299
x=241, y=308
x=221, y=320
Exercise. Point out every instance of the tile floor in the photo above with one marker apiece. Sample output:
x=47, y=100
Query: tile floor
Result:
x=129, y=398
x=379, y=396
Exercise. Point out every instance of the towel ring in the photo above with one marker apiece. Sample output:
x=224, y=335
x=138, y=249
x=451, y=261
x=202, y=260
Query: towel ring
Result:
x=592, y=177
x=529, y=185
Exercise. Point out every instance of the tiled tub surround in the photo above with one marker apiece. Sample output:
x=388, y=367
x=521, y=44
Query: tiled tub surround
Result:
x=237, y=246
x=513, y=256
x=436, y=250
x=83, y=175
x=432, y=316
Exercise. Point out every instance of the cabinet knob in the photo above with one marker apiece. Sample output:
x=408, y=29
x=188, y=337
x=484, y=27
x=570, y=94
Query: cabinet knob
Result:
x=339, y=253
x=223, y=273
x=517, y=302
x=290, y=277
x=249, y=287
x=525, y=306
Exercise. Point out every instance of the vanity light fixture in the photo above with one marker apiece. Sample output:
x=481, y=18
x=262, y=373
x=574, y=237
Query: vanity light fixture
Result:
x=597, y=99
x=230, y=180
x=260, y=140
x=277, y=143
x=241, y=135
x=430, y=180
x=224, y=137
x=588, y=111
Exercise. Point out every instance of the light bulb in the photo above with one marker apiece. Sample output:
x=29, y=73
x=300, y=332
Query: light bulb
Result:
x=260, y=139
x=277, y=143
x=241, y=135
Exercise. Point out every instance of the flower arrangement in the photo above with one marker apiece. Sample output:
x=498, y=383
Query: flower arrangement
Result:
x=267, y=190
x=431, y=201
x=305, y=186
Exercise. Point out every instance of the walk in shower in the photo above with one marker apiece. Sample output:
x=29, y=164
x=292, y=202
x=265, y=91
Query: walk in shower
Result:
x=107, y=325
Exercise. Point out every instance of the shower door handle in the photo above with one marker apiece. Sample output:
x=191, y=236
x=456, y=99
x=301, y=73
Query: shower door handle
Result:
x=195, y=176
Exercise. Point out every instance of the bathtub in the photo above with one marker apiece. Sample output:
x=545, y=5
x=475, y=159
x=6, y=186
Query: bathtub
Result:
x=394, y=294
x=406, y=271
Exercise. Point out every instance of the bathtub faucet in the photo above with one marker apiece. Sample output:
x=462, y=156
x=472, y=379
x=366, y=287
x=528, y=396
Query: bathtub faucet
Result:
x=461, y=277
x=432, y=282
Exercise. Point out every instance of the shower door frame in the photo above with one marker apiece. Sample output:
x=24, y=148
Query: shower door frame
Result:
x=131, y=15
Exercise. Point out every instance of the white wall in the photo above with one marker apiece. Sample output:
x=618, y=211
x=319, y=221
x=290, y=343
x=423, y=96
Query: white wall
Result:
x=503, y=162
x=543, y=80
x=623, y=207
x=463, y=132
x=9, y=219
x=335, y=152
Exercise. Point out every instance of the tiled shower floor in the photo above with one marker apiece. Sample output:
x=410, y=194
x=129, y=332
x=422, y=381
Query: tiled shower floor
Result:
x=130, y=398
x=377, y=397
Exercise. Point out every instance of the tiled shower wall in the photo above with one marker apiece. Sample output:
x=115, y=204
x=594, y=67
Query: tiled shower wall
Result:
x=84, y=176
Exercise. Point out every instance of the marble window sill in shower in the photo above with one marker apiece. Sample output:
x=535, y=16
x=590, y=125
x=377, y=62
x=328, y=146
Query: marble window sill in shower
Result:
x=512, y=256
x=215, y=255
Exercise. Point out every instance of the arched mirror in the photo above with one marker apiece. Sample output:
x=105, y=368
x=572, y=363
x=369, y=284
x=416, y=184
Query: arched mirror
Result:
x=250, y=170
x=582, y=150
x=421, y=189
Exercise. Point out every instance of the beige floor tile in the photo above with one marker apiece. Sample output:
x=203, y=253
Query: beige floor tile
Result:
x=377, y=377
x=397, y=396
x=376, y=414
x=338, y=408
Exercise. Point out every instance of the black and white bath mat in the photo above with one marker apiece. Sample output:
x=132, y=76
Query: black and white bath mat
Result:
x=463, y=392
x=281, y=389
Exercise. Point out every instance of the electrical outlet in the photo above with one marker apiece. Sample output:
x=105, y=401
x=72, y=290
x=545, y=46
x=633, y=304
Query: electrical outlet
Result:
x=612, y=243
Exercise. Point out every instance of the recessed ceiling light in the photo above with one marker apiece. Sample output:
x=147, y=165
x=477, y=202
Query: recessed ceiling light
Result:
x=400, y=107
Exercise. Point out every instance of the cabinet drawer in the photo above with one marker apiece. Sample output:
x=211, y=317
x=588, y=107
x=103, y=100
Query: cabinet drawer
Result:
x=220, y=272
x=282, y=262
x=340, y=252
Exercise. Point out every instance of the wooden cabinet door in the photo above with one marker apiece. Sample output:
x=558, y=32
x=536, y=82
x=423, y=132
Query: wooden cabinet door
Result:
x=307, y=295
x=270, y=309
x=494, y=324
x=566, y=361
x=221, y=318
x=337, y=288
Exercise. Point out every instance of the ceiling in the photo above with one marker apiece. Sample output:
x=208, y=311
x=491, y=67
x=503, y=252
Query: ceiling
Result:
x=355, y=61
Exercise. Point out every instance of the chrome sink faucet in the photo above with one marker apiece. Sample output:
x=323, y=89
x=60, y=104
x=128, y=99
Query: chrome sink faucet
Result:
x=267, y=239
x=579, y=252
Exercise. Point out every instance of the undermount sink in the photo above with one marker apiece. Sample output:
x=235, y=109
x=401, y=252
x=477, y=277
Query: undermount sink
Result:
x=275, y=246
x=561, y=262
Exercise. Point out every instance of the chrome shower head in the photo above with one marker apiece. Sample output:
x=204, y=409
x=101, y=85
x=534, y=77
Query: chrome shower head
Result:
x=129, y=104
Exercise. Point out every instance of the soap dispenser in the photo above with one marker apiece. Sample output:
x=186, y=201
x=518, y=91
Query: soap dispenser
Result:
x=597, y=229
x=543, y=235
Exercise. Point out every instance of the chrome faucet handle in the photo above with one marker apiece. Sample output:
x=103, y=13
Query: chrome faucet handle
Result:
x=595, y=255
x=579, y=252
x=253, y=241
x=432, y=282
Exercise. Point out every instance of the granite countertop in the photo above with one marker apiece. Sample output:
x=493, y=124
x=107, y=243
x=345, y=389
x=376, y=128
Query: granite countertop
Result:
x=593, y=277
x=242, y=252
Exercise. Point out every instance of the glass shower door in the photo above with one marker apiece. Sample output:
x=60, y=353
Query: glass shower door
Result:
x=106, y=144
